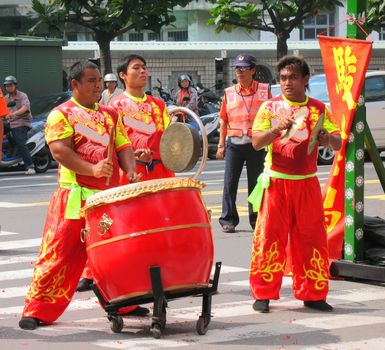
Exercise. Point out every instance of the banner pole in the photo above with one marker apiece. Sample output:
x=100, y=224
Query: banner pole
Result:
x=354, y=169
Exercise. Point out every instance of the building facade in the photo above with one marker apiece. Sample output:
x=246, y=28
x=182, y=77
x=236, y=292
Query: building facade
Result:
x=191, y=46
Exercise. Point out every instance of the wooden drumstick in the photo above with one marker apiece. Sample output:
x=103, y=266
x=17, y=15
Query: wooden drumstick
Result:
x=110, y=149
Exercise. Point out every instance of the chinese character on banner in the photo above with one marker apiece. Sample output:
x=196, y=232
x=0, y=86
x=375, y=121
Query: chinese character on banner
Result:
x=345, y=62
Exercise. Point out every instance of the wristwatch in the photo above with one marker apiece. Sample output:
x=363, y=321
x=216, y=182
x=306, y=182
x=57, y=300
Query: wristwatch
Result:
x=221, y=146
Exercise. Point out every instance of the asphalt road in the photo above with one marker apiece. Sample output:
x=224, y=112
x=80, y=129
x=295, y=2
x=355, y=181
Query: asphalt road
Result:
x=357, y=322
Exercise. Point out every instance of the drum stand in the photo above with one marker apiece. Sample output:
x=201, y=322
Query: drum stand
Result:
x=160, y=298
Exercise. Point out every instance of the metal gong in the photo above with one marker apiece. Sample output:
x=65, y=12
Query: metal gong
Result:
x=180, y=147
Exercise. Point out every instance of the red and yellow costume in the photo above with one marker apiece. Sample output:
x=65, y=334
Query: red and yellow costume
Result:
x=3, y=105
x=62, y=255
x=3, y=112
x=145, y=119
x=290, y=208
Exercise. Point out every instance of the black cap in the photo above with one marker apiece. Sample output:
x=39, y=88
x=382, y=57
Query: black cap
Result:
x=244, y=60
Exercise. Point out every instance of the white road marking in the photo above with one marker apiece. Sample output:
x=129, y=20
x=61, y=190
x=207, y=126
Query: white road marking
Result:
x=19, y=244
x=5, y=260
x=10, y=205
x=286, y=281
x=337, y=321
x=257, y=329
x=366, y=344
x=13, y=292
x=75, y=305
x=229, y=269
x=29, y=185
x=7, y=233
x=15, y=274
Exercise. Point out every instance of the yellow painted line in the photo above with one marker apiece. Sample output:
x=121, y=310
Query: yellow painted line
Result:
x=380, y=197
x=204, y=193
x=244, y=190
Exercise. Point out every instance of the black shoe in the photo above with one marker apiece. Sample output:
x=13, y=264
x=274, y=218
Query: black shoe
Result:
x=229, y=228
x=320, y=305
x=139, y=311
x=84, y=285
x=29, y=323
x=261, y=306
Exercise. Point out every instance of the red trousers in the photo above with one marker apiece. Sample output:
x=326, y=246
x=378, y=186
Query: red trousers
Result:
x=291, y=215
x=59, y=265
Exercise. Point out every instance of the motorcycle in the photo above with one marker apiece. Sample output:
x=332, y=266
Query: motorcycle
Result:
x=208, y=101
x=211, y=125
x=164, y=93
x=210, y=121
x=36, y=145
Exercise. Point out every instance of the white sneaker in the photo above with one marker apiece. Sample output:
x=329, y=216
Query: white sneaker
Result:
x=30, y=171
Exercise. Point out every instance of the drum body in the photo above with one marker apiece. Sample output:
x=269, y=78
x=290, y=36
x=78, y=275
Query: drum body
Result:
x=152, y=223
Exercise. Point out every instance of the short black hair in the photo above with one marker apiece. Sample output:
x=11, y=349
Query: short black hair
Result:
x=126, y=61
x=296, y=61
x=78, y=68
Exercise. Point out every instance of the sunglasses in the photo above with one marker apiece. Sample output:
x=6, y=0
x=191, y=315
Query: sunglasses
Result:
x=242, y=69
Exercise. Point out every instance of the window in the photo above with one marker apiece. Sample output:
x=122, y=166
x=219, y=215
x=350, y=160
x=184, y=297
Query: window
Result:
x=135, y=36
x=180, y=35
x=153, y=36
x=315, y=25
x=382, y=33
x=375, y=88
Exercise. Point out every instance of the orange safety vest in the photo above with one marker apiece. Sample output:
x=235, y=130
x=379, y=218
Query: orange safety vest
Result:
x=241, y=110
x=3, y=105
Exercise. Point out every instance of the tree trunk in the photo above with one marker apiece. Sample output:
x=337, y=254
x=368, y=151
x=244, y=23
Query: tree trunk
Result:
x=105, y=55
x=282, y=44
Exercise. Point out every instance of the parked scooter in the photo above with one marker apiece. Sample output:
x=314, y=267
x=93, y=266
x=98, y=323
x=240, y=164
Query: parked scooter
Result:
x=164, y=93
x=210, y=121
x=36, y=145
x=208, y=101
x=211, y=124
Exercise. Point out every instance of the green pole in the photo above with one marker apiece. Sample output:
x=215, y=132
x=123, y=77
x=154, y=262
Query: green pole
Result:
x=354, y=170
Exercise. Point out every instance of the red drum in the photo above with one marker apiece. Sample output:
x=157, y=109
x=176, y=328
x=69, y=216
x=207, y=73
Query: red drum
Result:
x=160, y=222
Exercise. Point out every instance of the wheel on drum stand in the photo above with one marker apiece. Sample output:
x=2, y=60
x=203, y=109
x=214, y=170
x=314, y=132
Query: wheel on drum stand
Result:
x=117, y=323
x=203, y=324
x=156, y=330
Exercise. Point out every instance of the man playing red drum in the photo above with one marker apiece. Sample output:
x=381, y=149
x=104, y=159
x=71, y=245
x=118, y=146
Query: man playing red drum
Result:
x=288, y=194
x=78, y=133
x=145, y=118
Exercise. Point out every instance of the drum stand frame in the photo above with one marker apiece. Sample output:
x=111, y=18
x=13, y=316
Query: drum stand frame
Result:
x=160, y=298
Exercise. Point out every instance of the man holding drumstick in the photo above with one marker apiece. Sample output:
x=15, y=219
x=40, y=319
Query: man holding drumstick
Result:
x=288, y=194
x=145, y=118
x=78, y=134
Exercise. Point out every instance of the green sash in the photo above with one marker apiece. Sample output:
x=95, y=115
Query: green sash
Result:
x=263, y=183
x=75, y=197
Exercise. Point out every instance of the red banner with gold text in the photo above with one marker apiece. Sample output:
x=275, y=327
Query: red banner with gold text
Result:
x=345, y=63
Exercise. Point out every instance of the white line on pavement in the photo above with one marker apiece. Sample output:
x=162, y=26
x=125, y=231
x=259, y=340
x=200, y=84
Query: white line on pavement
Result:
x=10, y=205
x=15, y=274
x=5, y=260
x=19, y=244
x=7, y=233
x=29, y=185
x=13, y=292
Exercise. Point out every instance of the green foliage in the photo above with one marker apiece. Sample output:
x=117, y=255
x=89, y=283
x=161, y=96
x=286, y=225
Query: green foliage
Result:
x=375, y=15
x=108, y=18
x=276, y=16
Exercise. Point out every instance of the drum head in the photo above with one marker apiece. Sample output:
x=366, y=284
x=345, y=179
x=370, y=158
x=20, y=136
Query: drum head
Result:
x=180, y=147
